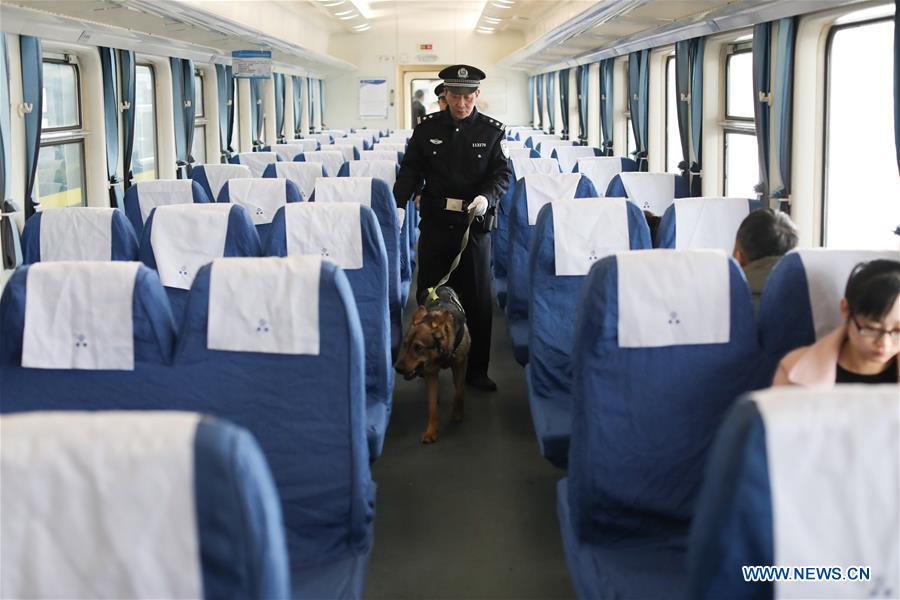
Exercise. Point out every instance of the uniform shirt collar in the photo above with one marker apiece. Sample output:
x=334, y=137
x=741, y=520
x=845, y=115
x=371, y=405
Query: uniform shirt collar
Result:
x=468, y=120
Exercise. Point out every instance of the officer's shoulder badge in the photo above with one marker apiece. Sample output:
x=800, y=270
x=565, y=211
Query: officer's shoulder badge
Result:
x=504, y=147
x=428, y=117
x=493, y=122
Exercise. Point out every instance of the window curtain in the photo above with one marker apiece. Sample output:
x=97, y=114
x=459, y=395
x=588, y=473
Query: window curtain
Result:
x=256, y=112
x=32, y=97
x=183, y=102
x=311, y=101
x=582, y=75
x=279, y=106
x=128, y=74
x=225, y=98
x=322, y=103
x=5, y=125
x=638, y=101
x=111, y=122
x=539, y=94
x=689, y=89
x=531, y=99
x=298, y=106
x=564, y=102
x=606, y=105
x=551, y=100
x=773, y=109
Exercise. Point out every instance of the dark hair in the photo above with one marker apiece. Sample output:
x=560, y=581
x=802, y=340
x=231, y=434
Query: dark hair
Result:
x=766, y=232
x=873, y=288
x=419, y=94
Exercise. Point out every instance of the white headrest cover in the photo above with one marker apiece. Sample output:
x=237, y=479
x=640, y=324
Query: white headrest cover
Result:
x=378, y=155
x=658, y=308
x=345, y=189
x=515, y=144
x=708, y=222
x=385, y=170
x=76, y=233
x=265, y=304
x=567, y=155
x=332, y=159
x=541, y=188
x=308, y=145
x=600, y=170
x=287, y=152
x=548, y=146
x=345, y=149
x=99, y=505
x=217, y=175
x=322, y=138
x=827, y=272
x=356, y=142
x=835, y=484
x=78, y=315
x=331, y=231
x=586, y=230
x=390, y=146
x=525, y=166
x=650, y=191
x=185, y=237
x=519, y=153
x=162, y=192
x=303, y=174
x=257, y=161
x=260, y=197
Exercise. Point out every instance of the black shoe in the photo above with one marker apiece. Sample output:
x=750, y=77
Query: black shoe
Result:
x=482, y=383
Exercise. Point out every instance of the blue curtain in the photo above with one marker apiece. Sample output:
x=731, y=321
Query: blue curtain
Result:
x=111, y=121
x=32, y=95
x=225, y=101
x=5, y=151
x=782, y=111
x=638, y=101
x=564, y=102
x=256, y=112
x=183, y=94
x=689, y=89
x=311, y=101
x=531, y=99
x=322, y=103
x=298, y=105
x=551, y=100
x=582, y=74
x=128, y=73
x=762, y=94
x=279, y=106
x=540, y=101
x=606, y=105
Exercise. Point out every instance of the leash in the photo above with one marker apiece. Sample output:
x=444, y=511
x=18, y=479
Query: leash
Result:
x=465, y=241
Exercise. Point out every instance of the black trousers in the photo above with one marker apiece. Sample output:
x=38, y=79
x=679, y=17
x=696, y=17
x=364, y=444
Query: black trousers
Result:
x=438, y=245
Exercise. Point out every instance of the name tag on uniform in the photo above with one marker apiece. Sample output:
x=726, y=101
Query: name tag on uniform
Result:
x=455, y=204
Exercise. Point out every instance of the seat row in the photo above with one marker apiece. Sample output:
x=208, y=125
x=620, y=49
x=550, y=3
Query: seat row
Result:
x=274, y=345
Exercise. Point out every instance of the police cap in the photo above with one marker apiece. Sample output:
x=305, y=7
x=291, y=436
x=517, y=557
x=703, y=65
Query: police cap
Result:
x=439, y=90
x=461, y=79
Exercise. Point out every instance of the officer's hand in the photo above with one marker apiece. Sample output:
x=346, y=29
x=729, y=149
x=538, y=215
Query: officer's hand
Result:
x=401, y=217
x=480, y=204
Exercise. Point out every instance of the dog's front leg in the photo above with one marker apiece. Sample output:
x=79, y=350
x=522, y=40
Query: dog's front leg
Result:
x=459, y=392
x=431, y=391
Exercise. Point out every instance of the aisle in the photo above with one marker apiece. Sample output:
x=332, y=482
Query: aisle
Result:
x=474, y=515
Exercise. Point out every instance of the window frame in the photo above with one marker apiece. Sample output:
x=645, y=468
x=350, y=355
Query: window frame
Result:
x=833, y=30
x=669, y=98
x=732, y=50
x=200, y=121
x=734, y=131
x=67, y=60
x=63, y=141
x=152, y=68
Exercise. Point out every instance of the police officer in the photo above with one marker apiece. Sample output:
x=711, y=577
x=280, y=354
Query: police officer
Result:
x=441, y=98
x=460, y=154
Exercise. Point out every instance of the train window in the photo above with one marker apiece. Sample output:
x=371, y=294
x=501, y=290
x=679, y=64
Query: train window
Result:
x=739, y=85
x=861, y=185
x=741, y=160
x=60, y=170
x=198, y=95
x=62, y=106
x=198, y=147
x=673, y=138
x=629, y=139
x=740, y=152
x=143, y=160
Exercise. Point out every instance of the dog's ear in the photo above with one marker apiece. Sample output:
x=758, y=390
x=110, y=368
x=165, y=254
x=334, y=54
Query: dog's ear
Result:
x=419, y=315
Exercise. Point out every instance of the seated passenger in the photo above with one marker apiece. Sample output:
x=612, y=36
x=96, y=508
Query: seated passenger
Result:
x=653, y=222
x=762, y=239
x=862, y=350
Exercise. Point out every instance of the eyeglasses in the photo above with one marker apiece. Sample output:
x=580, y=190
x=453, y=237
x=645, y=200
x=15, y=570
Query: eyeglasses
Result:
x=875, y=334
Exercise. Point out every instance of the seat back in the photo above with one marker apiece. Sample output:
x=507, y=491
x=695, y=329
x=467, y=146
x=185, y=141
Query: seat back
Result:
x=212, y=177
x=261, y=198
x=568, y=156
x=348, y=150
x=309, y=145
x=546, y=147
x=692, y=223
x=78, y=233
x=162, y=496
x=144, y=196
x=321, y=138
x=523, y=152
x=601, y=169
x=330, y=159
x=534, y=139
x=255, y=161
x=348, y=235
x=301, y=174
x=653, y=192
x=386, y=170
x=784, y=487
x=526, y=166
x=284, y=333
x=568, y=238
x=641, y=428
x=800, y=302
x=287, y=152
x=179, y=239
x=390, y=146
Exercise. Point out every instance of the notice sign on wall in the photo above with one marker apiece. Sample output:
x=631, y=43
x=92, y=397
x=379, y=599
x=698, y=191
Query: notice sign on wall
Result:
x=251, y=64
x=373, y=99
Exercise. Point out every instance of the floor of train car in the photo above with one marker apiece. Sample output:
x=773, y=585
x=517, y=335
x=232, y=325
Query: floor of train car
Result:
x=473, y=515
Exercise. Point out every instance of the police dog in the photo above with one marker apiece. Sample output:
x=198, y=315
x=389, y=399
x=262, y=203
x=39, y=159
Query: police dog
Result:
x=437, y=338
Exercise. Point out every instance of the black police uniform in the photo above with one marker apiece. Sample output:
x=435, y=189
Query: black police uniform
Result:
x=457, y=160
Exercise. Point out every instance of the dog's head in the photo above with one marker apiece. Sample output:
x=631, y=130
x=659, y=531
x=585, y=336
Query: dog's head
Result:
x=428, y=343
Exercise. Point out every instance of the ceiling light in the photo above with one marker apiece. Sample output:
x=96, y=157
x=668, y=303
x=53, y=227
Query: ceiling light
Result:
x=353, y=16
x=483, y=28
x=506, y=1
x=500, y=5
x=492, y=20
x=363, y=28
x=346, y=12
x=334, y=3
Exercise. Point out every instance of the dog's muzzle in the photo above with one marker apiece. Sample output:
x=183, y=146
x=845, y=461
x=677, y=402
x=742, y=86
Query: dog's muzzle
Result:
x=409, y=375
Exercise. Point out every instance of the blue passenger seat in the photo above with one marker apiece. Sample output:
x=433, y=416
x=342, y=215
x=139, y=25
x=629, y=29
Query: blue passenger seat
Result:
x=213, y=176
x=144, y=196
x=694, y=223
x=261, y=198
x=78, y=233
x=255, y=161
x=653, y=192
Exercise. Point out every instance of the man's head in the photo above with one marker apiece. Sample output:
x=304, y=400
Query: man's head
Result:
x=461, y=104
x=762, y=233
x=419, y=95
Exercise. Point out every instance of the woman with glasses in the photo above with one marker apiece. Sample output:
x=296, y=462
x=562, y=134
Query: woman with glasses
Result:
x=862, y=350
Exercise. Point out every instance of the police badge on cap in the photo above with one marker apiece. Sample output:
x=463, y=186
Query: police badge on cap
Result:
x=461, y=79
